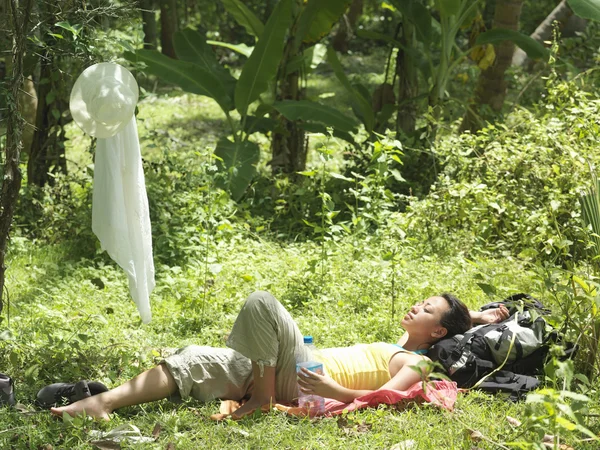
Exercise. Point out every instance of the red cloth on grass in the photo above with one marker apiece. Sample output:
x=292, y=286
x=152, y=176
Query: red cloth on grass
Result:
x=439, y=393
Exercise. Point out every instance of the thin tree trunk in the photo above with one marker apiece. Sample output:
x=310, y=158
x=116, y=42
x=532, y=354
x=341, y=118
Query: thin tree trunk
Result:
x=288, y=148
x=491, y=86
x=348, y=21
x=406, y=71
x=149, y=24
x=37, y=164
x=543, y=32
x=11, y=180
x=168, y=26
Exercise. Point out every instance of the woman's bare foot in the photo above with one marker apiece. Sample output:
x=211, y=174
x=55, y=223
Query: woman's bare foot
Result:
x=252, y=405
x=91, y=406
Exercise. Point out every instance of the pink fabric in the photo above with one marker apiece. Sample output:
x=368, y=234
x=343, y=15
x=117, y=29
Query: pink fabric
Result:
x=439, y=393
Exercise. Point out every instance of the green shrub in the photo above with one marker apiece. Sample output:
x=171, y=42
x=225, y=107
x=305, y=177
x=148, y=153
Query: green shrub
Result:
x=514, y=187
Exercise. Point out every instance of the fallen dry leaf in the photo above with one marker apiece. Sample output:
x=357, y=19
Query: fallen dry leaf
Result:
x=548, y=442
x=170, y=446
x=352, y=428
x=156, y=430
x=106, y=444
x=475, y=435
x=404, y=445
x=514, y=422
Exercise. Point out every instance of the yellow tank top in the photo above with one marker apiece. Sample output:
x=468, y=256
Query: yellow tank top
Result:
x=362, y=366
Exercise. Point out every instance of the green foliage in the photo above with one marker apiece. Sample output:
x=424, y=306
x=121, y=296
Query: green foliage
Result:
x=316, y=20
x=262, y=64
x=530, y=46
x=238, y=162
x=588, y=9
x=244, y=16
x=512, y=187
x=190, y=76
x=309, y=111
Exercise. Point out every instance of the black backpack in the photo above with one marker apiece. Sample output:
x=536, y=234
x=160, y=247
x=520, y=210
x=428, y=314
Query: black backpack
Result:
x=7, y=390
x=518, y=345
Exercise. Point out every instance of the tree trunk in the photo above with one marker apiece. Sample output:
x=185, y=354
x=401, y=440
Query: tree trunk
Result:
x=348, y=21
x=289, y=147
x=11, y=180
x=149, y=24
x=406, y=72
x=168, y=26
x=543, y=32
x=491, y=87
x=47, y=146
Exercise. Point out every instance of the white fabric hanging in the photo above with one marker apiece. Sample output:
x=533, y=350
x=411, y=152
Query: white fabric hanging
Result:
x=102, y=103
x=120, y=214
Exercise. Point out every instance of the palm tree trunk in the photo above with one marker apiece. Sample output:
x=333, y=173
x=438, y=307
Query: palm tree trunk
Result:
x=406, y=71
x=149, y=24
x=348, y=21
x=491, y=87
x=168, y=26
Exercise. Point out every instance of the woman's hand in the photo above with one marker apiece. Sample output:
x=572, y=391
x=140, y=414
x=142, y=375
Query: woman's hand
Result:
x=492, y=315
x=313, y=383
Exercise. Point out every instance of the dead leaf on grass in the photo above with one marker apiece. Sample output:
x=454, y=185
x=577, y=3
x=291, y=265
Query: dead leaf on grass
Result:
x=353, y=428
x=170, y=446
x=475, y=435
x=156, y=430
x=106, y=444
x=514, y=422
x=404, y=445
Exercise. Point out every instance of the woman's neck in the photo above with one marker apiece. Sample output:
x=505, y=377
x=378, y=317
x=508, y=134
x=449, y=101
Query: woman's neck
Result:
x=412, y=344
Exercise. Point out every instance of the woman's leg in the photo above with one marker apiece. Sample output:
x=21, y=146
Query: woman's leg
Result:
x=265, y=333
x=154, y=384
x=204, y=373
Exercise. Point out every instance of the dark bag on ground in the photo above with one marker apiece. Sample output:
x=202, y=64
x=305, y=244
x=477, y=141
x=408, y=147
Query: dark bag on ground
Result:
x=519, y=344
x=7, y=390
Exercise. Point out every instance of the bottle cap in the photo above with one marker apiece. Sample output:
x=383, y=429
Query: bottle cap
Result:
x=308, y=339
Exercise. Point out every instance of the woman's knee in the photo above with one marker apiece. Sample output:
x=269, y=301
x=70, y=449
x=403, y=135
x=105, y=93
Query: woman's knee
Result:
x=260, y=299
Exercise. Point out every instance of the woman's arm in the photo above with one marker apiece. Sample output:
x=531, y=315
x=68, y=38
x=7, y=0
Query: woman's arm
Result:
x=313, y=383
x=493, y=315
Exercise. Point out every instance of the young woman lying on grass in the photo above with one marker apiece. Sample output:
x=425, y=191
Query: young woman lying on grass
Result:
x=261, y=361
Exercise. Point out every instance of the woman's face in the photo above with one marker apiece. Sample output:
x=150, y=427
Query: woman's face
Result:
x=424, y=317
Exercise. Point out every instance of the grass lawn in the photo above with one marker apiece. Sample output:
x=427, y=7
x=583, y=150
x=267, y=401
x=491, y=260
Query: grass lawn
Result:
x=71, y=317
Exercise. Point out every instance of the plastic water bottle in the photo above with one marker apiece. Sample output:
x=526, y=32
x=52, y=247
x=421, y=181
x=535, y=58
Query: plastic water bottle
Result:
x=314, y=404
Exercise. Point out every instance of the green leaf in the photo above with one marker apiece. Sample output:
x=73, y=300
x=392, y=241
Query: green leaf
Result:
x=316, y=20
x=190, y=77
x=449, y=7
x=530, y=46
x=416, y=13
x=314, y=112
x=239, y=160
x=259, y=124
x=588, y=9
x=67, y=26
x=487, y=288
x=190, y=45
x=364, y=106
x=308, y=60
x=262, y=65
x=244, y=17
x=319, y=128
x=242, y=49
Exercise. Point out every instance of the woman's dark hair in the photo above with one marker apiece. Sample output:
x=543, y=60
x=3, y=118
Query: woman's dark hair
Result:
x=457, y=319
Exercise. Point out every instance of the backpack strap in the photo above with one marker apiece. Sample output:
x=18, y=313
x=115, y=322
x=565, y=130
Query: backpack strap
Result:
x=514, y=384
